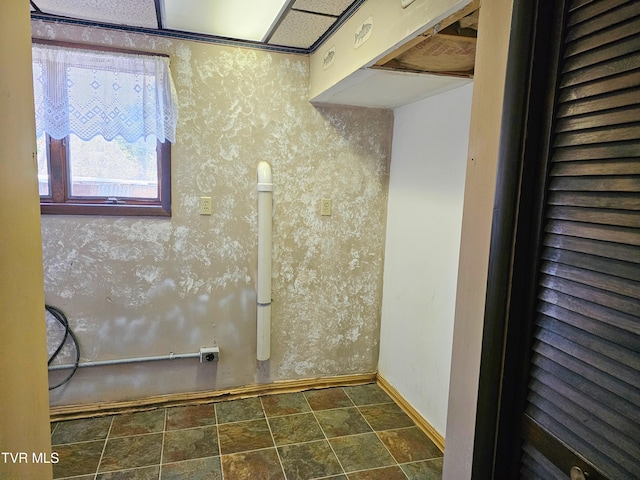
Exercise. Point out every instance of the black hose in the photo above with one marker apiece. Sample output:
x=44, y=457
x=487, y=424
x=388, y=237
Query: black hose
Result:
x=62, y=319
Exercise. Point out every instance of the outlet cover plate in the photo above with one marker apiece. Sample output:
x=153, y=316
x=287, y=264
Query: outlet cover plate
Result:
x=209, y=354
x=206, y=206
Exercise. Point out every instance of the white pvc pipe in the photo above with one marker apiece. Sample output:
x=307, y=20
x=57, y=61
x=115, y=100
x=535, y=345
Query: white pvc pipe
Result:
x=265, y=208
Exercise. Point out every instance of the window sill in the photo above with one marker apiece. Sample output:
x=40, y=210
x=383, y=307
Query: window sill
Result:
x=129, y=210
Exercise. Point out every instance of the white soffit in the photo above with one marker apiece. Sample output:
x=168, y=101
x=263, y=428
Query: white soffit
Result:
x=141, y=13
x=387, y=89
x=299, y=29
x=241, y=19
x=329, y=7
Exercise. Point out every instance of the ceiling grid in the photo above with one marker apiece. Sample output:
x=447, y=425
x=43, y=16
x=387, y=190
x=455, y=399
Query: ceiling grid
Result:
x=298, y=26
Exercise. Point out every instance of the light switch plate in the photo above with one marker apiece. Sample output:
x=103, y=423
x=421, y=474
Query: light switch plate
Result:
x=325, y=207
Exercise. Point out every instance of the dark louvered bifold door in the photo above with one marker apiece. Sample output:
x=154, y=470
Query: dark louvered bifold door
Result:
x=584, y=388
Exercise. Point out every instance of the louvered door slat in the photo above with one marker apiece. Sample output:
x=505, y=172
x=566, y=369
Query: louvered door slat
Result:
x=593, y=57
x=593, y=343
x=602, y=70
x=618, y=218
x=623, y=166
x=592, y=278
x=601, y=87
x=586, y=294
x=601, y=22
x=590, y=358
x=591, y=383
x=597, y=152
x=592, y=10
x=592, y=310
x=598, y=135
x=604, y=249
x=602, y=102
x=575, y=4
x=595, y=200
x=600, y=329
x=618, y=32
x=596, y=232
x=595, y=184
x=546, y=384
x=606, y=233
x=610, y=117
x=593, y=263
x=598, y=421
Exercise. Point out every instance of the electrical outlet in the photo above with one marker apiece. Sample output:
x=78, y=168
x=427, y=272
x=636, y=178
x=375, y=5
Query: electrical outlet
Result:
x=206, y=206
x=325, y=206
x=209, y=354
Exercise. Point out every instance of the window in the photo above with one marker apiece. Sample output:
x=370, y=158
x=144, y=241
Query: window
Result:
x=104, y=120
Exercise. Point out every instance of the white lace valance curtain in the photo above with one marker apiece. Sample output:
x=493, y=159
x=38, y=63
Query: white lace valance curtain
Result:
x=91, y=93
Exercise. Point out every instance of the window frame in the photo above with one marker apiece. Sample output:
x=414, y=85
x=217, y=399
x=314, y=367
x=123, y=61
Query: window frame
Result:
x=60, y=202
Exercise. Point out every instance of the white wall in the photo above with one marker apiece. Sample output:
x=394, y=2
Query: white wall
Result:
x=424, y=217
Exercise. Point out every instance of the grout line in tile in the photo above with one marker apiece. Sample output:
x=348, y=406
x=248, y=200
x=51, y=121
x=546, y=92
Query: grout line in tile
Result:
x=273, y=439
x=326, y=439
x=420, y=461
x=75, y=477
x=368, y=404
x=190, y=460
x=374, y=404
x=164, y=434
x=380, y=440
x=242, y=452
x=328, y=476
x=239, y=421
x=183, y=429
x=219, y=446
x=310, y=411
x=129, y=436
x=78, y=443
x=104, y=447
x=378, y=468
x=386, y=448
x=116, y=471
x=399, y=428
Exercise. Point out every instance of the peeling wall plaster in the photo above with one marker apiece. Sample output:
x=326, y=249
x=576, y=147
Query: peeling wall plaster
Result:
x=149, y=286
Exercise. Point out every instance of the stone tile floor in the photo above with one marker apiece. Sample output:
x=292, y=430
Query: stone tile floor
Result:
x=341, y=433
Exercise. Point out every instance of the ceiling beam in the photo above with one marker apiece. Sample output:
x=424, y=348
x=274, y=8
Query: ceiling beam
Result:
x=158, y=4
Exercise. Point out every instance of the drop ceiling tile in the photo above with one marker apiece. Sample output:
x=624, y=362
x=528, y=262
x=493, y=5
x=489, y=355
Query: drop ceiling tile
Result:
x=246, y=19
x=141, y=13
x=300, y=29
x=329, y=7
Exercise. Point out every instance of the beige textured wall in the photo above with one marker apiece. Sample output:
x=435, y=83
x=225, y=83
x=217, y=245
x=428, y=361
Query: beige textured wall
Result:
x=24, y=412
x=140, y=287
